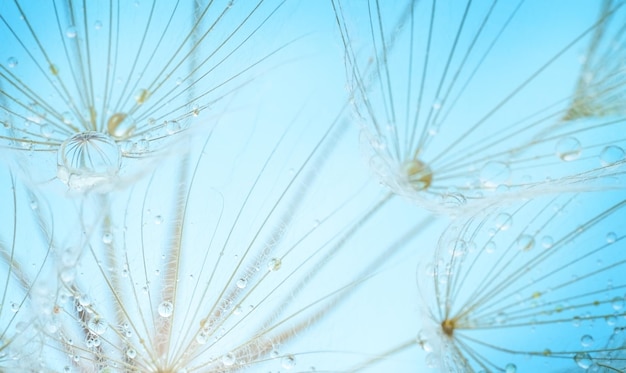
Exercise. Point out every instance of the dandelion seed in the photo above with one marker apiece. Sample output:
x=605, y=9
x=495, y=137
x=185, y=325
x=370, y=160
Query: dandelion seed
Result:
x=539, y=295
x=442, y=127
x=116, y=80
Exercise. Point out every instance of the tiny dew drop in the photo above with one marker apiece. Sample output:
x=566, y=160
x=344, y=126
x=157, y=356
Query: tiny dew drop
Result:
x=242, y=283
x=70, y=32
x=288, y=362
x=586, y=340
x=158, y=219
x=274, y=265
x=547, y=242
x=583, y=360
x=611, y=237
x=493, y=174
x=166, y=308
x=202, y=337
x=131, y=353
x=97, y=325
x=172, y=127
x=107, y=238
x=568, y=149
x=525, y=242
x=611, y=155
x=504, y=221
x=510, y=368
x=228, y=359
x=12, y=62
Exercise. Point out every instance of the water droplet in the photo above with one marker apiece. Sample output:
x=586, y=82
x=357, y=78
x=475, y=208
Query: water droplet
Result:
x=583, y=360
x=97, y=325
x=15, y=307
x=172, y=127
x=288, y=362
x=228, y=359
x=525, y=242
x=131, y=353
x=121, y=126
x=12, y=62
x=34, y=205
x=97, y=25
x=418, y=174
x=46, y=130
x=70, y=32
x=166, y=308
x=490, y=247
x=617, y=303
x=611, y=237
x=493, y=174
x=547, y=242
x=274, y=264
x=568, y=149
x=141, y=96
x=510, y=368
x=242, y=283
x=504, y=221
x=586, y=340
x=158, y=219
x=611, y=155
x=87, y=159
x=107, y=238
x=202, y=337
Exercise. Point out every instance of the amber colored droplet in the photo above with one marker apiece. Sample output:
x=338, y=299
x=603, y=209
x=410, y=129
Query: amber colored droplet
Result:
x=142, y=96
x=419, y=174
x=448, y=327
x=54, y=70
x=119, y=127
x=536, y=294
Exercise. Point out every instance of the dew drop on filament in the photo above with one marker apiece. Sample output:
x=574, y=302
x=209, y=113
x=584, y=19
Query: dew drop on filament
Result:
x=88, y=159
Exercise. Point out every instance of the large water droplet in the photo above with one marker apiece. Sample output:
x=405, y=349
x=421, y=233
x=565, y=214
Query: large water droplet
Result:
x=568, y=149
x=87, y=159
